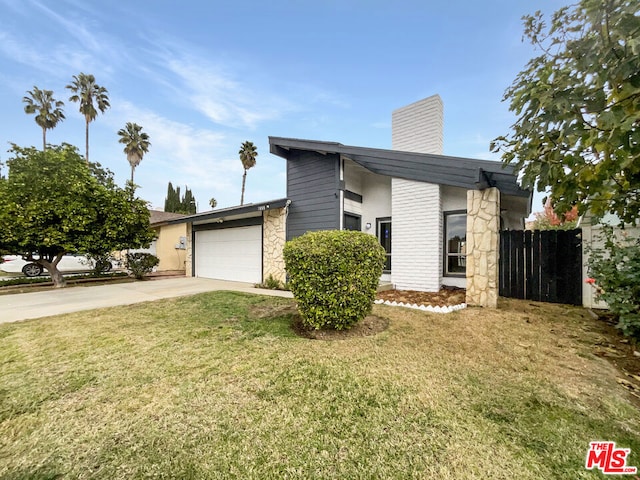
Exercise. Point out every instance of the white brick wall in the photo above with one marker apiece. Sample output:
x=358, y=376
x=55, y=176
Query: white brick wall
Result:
x=416, y=255
x=416, y=207
x=418, y=127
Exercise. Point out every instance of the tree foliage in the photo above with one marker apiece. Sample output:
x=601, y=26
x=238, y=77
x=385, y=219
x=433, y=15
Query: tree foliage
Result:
x=53, y=203
x=578, y=108
x=89, y=95
x=248, y=153
x=136, y=144
x=49, y=110
x=177, y=203
x=548, y=219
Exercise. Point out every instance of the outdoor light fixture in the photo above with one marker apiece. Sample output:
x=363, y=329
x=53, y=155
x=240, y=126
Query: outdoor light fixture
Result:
x=368, y=226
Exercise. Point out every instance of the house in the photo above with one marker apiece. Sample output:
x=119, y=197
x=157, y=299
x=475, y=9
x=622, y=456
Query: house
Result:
x=438, y=217
x=170, y=244
x=593, y=239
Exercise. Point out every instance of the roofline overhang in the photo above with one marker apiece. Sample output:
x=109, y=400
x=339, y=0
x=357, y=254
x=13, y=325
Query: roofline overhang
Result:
x=233, y=211
x=480, y=174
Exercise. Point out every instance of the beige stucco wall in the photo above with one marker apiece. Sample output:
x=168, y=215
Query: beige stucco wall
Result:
x=274, y=235
x=171, y=258
x=483, y=243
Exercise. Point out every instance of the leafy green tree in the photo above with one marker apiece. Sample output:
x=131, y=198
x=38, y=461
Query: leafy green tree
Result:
x=51, y=204
x=248, y=153
x=90, y=96
x=578, y=108
x=49, y=110
x=136, y=144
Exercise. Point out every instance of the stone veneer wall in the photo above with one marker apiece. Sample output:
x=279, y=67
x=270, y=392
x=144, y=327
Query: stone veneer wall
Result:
x=274, y=235
x=483, y=243
x=189, y=254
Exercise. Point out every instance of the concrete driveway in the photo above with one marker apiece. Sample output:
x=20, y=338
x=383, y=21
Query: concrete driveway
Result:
x=23, y=306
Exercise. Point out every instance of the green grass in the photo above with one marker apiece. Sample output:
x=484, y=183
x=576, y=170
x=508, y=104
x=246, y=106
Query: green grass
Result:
x=218, y=386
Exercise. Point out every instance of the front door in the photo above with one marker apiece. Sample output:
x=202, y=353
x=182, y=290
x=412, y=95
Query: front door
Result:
x=383, y=228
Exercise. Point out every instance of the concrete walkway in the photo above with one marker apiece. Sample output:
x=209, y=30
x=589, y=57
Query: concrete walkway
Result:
x=23, y=306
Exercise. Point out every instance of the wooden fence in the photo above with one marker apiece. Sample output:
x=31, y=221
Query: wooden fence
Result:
x=545, y=266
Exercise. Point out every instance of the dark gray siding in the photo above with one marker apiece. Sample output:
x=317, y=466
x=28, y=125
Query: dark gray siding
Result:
x=312, y=187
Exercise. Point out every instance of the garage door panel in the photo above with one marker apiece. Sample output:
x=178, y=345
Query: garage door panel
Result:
x=230, y=254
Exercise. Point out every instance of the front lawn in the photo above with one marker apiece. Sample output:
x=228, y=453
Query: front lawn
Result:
x=218, y=386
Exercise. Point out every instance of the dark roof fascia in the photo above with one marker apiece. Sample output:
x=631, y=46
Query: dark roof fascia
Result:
x=230, y=211
x=454, y=171
x=280, y=145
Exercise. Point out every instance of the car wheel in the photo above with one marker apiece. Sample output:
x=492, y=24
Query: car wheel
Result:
x=105, y=267
x=32, y=269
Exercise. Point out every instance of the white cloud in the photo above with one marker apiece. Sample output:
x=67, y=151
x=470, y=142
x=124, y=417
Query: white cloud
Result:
x=74, y=28
x=63, y=44
x=220, y=96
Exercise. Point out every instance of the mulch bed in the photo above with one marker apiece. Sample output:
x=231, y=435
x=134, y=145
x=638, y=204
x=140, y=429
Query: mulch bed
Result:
x=445, y=297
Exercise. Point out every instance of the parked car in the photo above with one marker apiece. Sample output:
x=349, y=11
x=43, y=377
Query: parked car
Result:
x=68, y=264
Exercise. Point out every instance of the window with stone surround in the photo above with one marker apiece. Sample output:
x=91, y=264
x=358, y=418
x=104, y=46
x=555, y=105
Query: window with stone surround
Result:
x=455, y=243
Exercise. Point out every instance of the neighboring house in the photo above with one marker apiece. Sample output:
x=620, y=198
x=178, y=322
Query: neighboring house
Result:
x=170, y=245
x=592, y=239
x=438, y=217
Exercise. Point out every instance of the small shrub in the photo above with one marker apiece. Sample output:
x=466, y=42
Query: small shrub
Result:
x=334, y=276
x=101, y=262
x=141, y=264
x=616, y=274
x=271, y=283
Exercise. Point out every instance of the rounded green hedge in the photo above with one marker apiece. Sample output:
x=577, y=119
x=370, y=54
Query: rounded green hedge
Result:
x=334, y=276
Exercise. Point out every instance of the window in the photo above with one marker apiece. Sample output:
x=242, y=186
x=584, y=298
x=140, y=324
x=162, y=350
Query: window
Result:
x=352, y=222
x=455, y=239
x=383, y=229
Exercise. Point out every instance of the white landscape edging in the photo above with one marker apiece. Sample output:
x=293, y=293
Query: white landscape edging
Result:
x=427, y=308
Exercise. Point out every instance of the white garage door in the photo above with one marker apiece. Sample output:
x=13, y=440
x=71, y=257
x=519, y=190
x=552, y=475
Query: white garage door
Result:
x=230, y=254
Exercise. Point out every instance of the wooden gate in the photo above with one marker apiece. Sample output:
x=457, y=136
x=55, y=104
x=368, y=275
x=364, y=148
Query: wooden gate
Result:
x=542, y=265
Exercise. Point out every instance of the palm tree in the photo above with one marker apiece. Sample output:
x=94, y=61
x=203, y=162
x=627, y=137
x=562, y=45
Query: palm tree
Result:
x=248, y=154
x=48, y=108
x=136, y=144
x=86, y=92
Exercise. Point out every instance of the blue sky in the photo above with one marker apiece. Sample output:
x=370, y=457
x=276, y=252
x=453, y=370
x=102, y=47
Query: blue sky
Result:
x=201, y=77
